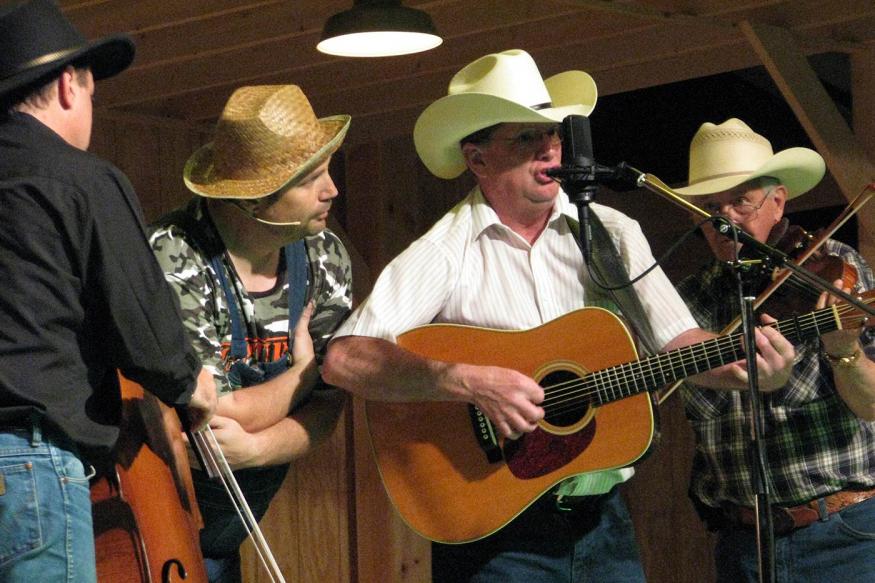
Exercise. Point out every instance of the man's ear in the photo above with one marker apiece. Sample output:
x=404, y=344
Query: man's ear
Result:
x=474, y=158
x=780, y=195
x=68, y=88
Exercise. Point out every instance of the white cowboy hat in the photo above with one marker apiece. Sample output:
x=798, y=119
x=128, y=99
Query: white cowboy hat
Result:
x=726, y=155
x=266, y=138
x=503, y=87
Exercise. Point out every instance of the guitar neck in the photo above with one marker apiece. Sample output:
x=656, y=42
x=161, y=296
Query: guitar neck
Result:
x=621, y=381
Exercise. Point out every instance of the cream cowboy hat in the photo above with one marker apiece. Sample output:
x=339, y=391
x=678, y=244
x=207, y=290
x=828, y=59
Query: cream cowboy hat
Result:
x=266, y=138
x=726, y=155
x=498, y=88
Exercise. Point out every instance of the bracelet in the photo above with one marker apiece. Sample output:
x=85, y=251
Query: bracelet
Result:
x=844, y=361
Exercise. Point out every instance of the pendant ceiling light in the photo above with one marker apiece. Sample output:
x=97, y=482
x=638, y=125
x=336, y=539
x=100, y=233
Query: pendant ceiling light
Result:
x=378, y=28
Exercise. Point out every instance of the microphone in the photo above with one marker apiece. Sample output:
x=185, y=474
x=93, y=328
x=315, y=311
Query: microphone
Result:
x=576, y=142
x=619, y=178
x=236, y=204
x=579, y=170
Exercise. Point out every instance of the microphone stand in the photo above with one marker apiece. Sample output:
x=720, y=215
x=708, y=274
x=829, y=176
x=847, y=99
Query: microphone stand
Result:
x=579, y=183
x=746, y=273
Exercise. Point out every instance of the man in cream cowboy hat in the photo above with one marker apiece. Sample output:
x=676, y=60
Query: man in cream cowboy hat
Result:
x=820, y=435
x=82, y=297
x=506, y=257
x=263, y=285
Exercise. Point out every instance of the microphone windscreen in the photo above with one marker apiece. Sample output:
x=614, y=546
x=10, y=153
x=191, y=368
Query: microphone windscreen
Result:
x=576, y=141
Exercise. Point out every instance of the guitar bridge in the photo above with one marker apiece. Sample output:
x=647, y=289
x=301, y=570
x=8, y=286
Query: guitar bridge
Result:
x=485, y=435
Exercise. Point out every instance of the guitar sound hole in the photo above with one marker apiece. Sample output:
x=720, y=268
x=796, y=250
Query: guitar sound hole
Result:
x=564, y=403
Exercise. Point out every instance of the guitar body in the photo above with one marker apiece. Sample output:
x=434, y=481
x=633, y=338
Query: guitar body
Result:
x=434, y=470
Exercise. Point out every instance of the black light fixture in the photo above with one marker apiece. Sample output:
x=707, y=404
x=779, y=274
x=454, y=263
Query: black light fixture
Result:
x=378, y=28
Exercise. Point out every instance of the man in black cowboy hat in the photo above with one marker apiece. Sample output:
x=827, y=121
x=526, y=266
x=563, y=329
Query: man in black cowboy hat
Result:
x=82, y=296
x=263, y=285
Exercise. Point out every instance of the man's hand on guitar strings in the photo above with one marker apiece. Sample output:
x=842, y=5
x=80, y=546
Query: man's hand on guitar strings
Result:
x=510, y=399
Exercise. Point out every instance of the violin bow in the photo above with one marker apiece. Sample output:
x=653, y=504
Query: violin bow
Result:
x=849, y=211
x=214, y=463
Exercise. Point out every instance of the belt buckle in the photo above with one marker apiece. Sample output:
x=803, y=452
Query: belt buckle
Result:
x=782, y=521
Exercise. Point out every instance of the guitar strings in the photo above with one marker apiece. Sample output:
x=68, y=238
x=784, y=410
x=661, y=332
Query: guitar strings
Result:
x=576, y=394
x=564, y=400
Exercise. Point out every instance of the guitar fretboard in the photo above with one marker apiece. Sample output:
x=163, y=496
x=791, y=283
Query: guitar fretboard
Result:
x=619, y=382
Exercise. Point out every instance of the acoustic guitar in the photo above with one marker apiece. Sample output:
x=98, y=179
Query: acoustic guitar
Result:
x=453, y=480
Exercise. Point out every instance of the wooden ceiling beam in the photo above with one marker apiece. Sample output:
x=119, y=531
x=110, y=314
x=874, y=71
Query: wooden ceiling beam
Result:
x=296, y=57
x=845, y=157
x=423, y=79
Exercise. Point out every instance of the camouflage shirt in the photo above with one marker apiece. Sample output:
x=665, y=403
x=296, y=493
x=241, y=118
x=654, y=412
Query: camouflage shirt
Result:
x=185, y=240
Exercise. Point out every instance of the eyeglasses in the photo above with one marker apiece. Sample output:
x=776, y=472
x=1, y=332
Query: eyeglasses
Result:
x=534, y=136
x=741, y=207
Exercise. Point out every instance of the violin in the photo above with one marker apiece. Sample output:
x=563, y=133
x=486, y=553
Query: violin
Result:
x=805, y=249
x=801, y=247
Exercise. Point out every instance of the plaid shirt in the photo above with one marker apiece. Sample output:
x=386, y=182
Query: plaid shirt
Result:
x=814, y=444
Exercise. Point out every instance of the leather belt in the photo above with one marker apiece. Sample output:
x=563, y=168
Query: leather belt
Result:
x=786, y=520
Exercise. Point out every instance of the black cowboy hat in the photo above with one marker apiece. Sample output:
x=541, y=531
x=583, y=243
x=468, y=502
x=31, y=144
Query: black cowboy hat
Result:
x=37, y=40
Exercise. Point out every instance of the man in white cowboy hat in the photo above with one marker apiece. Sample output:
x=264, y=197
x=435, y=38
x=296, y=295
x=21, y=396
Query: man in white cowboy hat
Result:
x=263, y=285
x=506, y=257
x=82, y=297
x=820, y=435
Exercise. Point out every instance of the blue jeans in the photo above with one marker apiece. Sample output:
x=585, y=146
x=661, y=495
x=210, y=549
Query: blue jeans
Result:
x=46, y=531
x=840, y=549
x=594, y=543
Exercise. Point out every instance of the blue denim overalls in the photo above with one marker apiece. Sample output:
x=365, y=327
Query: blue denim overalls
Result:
x=223, y=531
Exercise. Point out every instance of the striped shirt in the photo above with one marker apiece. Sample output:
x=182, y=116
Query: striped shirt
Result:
x=469, y=268
x=814, y=444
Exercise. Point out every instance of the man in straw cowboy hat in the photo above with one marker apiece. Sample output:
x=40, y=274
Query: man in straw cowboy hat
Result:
x=263, y=285
x=506, y=257
x=820, y=435
x=82, y=296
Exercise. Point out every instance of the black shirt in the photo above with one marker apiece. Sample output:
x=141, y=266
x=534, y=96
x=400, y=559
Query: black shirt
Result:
x=81, y=293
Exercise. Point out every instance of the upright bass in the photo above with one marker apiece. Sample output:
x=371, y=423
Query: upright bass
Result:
x=146, y=518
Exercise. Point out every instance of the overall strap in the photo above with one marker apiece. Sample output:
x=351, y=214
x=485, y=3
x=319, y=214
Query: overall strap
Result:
x=238, y=335
x=298, y=274
x=606, y=260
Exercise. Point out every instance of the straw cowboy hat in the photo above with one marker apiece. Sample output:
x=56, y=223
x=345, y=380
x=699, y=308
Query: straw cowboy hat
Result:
x=267, y=138
x=37, y=40
x=726, y=155
x=503, y=87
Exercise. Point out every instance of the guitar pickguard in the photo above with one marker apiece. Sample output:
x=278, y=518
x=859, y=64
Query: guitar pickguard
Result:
x=540, y=452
